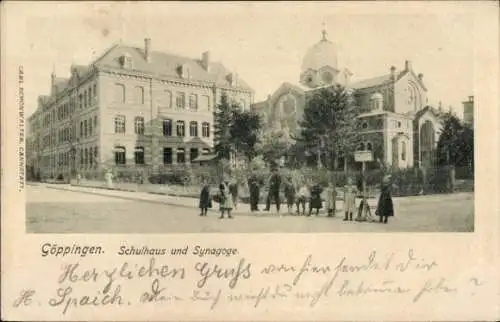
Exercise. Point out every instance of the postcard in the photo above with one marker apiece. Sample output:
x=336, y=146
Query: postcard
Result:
x=262, y=161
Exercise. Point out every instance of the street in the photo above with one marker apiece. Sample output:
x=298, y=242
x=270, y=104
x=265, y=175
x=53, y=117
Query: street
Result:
x=55, y=211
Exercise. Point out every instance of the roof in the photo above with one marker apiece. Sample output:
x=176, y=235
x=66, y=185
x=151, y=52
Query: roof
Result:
x=165, y=64
x=205, y=157
x=371, y=82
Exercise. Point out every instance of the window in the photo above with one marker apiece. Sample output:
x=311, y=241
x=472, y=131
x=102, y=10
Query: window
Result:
x=91, y=157
x=95, y=122
x=193, y=128
x=361, y=146
x=139, y=95
x=85, y=156
x=167, y=155
x=206, y=151
x=205, y=102
x=180, y=100
x=95, y=92
x=85, y=128
x=399, y=124
x=139, y=125
x=80, y=101
x=90, y=126
x=119, y=93
x=167, y=127
x=89, y=99
x=95, y=154
x=364, y=125
x=205, y=129
x=139, y=155
x=193, y=101
x=85, y=102
x=180, y=128
x=81, y=129
x=165, y=100
x=403, y=151
x=120, y=155
x=181, y=156
x=369, y=146
x=120, y=124
x=193, y=154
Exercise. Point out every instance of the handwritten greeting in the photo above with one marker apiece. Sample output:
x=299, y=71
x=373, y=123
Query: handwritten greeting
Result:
x=217, y=281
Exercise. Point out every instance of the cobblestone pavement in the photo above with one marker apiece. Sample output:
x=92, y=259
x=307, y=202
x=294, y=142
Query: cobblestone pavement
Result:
x=51, y=210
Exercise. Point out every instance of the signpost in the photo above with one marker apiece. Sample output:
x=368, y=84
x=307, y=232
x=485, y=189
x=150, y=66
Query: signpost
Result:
x=363, y=157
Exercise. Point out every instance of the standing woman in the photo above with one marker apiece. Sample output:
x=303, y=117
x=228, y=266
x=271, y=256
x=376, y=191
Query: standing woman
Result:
x=350, y=191
x=315, y=201
x=205, y=200
x=254, y=193
x=385, y=208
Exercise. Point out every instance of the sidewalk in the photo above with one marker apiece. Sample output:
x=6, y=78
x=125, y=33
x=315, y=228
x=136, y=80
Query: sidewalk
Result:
x=183, y=202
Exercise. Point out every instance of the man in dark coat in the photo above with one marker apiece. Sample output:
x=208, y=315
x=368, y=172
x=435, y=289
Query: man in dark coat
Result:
x=254, y=188
x=274, y=190
x=385, y=208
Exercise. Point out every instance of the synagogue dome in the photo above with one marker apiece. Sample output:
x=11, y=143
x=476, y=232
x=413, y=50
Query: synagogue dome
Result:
x=322, y=54
x=377, y=96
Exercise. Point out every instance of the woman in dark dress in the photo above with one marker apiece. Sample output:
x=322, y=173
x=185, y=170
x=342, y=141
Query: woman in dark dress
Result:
x=254, y=193
x=385, y=208
x=205, y=199
x=315, y=201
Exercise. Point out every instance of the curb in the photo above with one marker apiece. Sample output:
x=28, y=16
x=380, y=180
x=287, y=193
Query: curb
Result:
x=123, y=197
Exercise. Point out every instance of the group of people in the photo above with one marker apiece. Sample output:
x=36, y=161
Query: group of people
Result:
x=299, y=196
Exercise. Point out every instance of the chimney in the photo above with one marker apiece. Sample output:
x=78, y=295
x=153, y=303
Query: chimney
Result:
x=205, y=60
x=147, y=49
x=393, y=72
x=420, y=76
x=471, y=99
x=408, y=65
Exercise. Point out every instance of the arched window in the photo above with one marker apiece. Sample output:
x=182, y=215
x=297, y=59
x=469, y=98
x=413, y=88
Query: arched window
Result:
x=139, y=125
x=81, y=128
x=193, y=128
x=139, y=155
x=181, y=131
x=120, y=124
x=403, y=151
x=369, y=146
x=90, y=126
x=205, y=129
x=193, y=101
x=120, y=155
x=361, y=146
x=85, y=128
x=167, y=127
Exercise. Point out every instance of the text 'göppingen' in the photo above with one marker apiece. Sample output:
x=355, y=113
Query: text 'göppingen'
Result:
x=197, y=251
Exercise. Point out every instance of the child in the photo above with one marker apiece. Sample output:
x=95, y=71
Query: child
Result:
x=289, y=195
x=331, y=196
x=205, y=200
x=385, y=208
x=350, y=191
x=302, y=199
x=225, y=201
x=315, y=202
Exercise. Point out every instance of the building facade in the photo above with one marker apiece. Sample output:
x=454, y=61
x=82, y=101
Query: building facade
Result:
x=398, y=127
x=469, y=111
x=130, y=108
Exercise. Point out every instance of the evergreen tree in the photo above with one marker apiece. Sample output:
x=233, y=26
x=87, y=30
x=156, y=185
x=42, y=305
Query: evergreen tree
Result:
x=330, y=123
x=244, y=131
x=223, y=121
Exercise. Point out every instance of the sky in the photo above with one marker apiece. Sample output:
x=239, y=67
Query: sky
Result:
x=263, y=42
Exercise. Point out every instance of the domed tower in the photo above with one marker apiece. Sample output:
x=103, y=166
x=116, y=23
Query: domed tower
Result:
x=319, y=66
x=377, y=101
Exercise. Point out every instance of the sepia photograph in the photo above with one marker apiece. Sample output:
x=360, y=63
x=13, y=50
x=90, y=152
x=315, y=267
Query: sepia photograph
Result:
x=323, y=123
x=250, y=161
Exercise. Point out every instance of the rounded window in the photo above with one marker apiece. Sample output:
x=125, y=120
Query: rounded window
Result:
x=327, y=77
x=364, y=125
